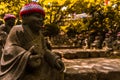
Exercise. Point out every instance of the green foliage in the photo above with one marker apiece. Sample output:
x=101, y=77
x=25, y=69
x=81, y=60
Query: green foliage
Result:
x=11, y=6
x=55, y=12
x=103, y=16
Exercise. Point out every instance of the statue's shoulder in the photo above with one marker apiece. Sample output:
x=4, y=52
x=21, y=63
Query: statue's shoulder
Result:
x=17, y=28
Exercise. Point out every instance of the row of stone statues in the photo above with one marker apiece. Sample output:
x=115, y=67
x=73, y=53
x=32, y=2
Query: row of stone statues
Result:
x=86, y=41
x=108, y=42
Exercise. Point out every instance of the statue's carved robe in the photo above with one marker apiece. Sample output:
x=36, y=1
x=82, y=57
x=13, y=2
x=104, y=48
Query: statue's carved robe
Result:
x=14, y=61
x=3, y=36
x=4, y=28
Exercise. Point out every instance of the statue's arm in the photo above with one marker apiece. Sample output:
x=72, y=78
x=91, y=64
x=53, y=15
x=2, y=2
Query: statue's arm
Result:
x=53, y=59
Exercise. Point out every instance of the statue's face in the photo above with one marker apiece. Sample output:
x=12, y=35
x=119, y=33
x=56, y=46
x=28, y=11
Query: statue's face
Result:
x=10, y=22
x=34, y=21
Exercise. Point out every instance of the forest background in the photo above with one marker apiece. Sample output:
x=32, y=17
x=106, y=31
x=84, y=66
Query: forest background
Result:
x=72, y=16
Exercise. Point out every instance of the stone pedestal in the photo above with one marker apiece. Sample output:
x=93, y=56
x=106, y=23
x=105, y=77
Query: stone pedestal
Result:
x=92, y=69
x=89, y=64
x=80, y=53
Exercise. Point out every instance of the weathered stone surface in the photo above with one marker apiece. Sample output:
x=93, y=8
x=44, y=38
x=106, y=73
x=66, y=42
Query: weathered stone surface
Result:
x=92, y=69
x=81, y=54
x=89, y=64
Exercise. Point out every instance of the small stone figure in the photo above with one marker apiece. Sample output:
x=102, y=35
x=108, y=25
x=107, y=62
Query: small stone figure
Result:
x=107, y=43
x=91, y=38
x=96, y=43
x=85, y=42
x=116, y=46
x=116, y=43
x=79, y=40
x=5, y=29
x=25, y=55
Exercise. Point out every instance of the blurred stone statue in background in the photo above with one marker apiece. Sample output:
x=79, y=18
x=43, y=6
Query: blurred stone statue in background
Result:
x=9, y=20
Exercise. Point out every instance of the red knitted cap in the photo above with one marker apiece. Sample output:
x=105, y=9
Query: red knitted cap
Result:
x=31, y=8
x=8, y=16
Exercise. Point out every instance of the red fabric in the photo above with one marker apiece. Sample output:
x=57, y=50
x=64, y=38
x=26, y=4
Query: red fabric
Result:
x=32, y=7
x=31, y=11
x=8, y=16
